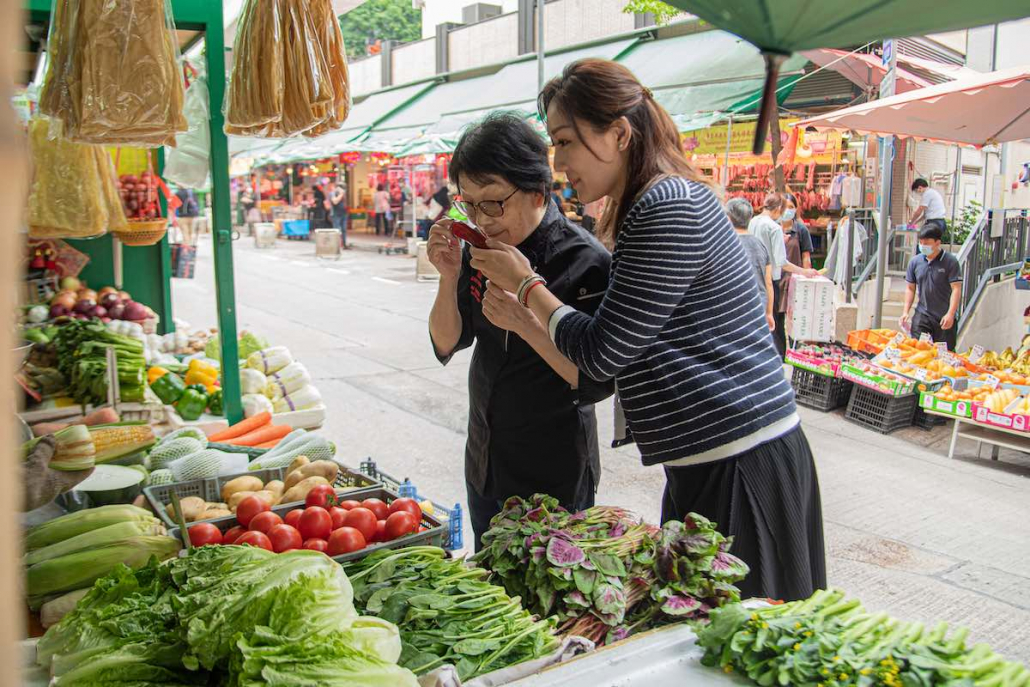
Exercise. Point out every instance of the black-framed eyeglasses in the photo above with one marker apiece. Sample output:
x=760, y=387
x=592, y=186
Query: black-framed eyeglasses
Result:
x=490, y=208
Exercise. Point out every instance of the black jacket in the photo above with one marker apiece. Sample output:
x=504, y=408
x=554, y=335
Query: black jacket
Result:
x=529, y=431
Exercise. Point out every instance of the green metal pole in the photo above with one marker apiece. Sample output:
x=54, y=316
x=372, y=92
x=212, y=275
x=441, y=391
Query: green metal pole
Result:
x=167, y=323
x=221, y=215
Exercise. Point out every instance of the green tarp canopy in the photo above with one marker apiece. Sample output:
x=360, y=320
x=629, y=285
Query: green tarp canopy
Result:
x=782, y=27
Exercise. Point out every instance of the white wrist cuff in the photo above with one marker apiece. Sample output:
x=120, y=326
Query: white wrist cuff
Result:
x=556, y=317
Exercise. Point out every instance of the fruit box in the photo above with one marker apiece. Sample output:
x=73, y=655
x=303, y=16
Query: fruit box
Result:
x=884, y=385
x=1005, y=420
x=812, y=363
x=435, y=533
x=928, y=401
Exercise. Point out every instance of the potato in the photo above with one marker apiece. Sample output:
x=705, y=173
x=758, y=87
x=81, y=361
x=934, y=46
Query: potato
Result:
x=323, y=468
x=192, y=506
x=276, y=487
x=300, y=490
x=215, y=513
x=298, y=462
x=245, y=483
x=266, y=496
x=235, y=499
x=217, y=506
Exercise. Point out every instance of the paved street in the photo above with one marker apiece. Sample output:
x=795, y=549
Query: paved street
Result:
x=908, y=531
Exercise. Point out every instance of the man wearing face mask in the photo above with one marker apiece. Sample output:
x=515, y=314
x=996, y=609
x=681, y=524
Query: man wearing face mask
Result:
x=936, y=275
x=532, y=427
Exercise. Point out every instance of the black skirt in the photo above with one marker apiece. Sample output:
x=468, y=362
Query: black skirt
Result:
x=768, y=500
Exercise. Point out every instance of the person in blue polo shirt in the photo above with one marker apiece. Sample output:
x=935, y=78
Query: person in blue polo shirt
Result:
x=936, y=275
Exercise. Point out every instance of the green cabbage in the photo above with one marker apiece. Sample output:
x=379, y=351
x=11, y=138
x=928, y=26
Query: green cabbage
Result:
x=248, y=343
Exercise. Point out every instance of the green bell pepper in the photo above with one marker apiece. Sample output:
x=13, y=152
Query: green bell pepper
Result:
x=198, y=387
x=215, y=403
x=191, y=404
x=169, y=388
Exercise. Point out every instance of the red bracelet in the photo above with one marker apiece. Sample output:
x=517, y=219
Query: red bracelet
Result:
x=529, y=289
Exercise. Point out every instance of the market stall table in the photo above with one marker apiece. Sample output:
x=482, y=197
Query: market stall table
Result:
x=998, y=437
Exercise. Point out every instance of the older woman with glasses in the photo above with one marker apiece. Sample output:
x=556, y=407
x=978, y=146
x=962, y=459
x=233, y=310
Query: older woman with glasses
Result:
x=531, y=411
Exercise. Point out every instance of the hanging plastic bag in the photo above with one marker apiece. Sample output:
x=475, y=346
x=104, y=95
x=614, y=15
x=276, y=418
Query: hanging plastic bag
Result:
x=188, y=164
x=114, y=77
x=255, y=94
x=73, y=193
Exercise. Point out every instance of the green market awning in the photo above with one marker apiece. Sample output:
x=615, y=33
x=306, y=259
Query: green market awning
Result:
x=786, y=26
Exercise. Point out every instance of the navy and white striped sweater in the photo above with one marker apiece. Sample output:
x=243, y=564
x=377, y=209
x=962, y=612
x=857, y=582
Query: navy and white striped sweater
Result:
x=683, y=332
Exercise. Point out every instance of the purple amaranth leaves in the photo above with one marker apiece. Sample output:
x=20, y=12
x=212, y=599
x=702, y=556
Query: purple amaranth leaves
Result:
x=537, y=553
x=617, y=635
x=610, y=601
x=564, y=554
x=577, y=598
x=680, y=605
x=726, y=566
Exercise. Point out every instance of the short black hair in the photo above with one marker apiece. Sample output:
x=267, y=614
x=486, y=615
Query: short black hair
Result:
x=505, y=146
x=556, y=186
x=932, y=232
x=919, y=183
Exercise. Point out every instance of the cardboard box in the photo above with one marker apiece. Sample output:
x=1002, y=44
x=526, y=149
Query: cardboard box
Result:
x=810, y=315
x=1005, y=420
x=928, y=401
x=820, y=366
x=884, y=385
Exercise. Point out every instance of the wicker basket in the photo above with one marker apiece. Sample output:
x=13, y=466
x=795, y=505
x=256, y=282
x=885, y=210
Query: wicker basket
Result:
x=143, y=232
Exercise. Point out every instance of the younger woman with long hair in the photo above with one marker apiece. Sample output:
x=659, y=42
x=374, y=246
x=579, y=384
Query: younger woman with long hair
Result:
x=681, y=329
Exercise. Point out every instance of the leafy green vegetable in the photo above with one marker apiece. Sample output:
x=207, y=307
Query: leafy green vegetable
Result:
x=604, y=573
x=233, y=615
x=248, y=343
x=827, y=639
x=447, y=613
x=82, y=358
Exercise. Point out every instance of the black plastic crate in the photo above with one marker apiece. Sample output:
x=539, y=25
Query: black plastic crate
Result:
x=819, y=391
x=880, y=412
x=435, y=534
x=925, y=421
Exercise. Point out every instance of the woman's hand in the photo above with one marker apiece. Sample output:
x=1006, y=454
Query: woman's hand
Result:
x=502, y=264
x=444, y=251
x=503, y=310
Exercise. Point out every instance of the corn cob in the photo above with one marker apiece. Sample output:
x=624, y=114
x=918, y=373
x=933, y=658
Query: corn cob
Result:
x=74, y=524
x=75, y=449
x=83, y=568
x=118, y=441
x=94, y=538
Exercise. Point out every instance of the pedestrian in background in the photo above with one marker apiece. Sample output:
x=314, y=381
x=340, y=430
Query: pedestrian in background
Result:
x=187, y=213
x=937, y=278
x=740, y=213
x=382, y=208
x=680, y=328
x=931, y=206
x=338, y=210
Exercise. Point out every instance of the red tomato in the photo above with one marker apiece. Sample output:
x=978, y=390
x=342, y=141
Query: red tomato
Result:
x=363, y=520
x=317, y=545
x=248, y=508
x=400, y=524
x=233, y=534
x=380, y=534
x=322, y=496
x=337, y=514
x=264, y=522
x=204, y=534
x=315, y=523
x=408, y=506
x=254, y=538
x=378, y=507
x=284, y=538
x=349, y=504
x=293, y=517
x=346, y=540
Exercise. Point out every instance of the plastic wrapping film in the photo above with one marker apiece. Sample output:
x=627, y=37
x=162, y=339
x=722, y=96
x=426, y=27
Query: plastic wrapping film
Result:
x=189, y=163
x=114, y=77
x=289, y=73
x=73, y=193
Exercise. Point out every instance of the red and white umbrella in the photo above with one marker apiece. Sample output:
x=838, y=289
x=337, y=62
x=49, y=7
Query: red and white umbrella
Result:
x=976, y=111
x=862, y=69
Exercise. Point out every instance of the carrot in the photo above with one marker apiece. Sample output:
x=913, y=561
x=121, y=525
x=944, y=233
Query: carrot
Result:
x=262, y=435
x=268, y=444
x=242, y=427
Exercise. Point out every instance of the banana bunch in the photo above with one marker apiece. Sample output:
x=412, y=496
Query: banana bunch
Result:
x=998, y=400
x=1023, y=407
x=991, y=360
x=1008, y=357
x=1022, y=364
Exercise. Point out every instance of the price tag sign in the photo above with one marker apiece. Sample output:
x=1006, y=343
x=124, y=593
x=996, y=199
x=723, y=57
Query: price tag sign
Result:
x=993, y=381
x=898, y=338
x=920, y=374
x=892, y=353
x=942, y=347
x=978, y=352
x=952, y=359
x=926, y=338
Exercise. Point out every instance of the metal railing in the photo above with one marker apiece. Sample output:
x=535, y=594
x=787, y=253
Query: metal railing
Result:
x=995, y=248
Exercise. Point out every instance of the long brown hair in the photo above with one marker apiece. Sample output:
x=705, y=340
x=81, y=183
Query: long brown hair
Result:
x=599, y=92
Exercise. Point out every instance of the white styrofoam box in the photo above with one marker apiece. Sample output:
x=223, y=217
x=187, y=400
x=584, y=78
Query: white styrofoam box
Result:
x=811, y=311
